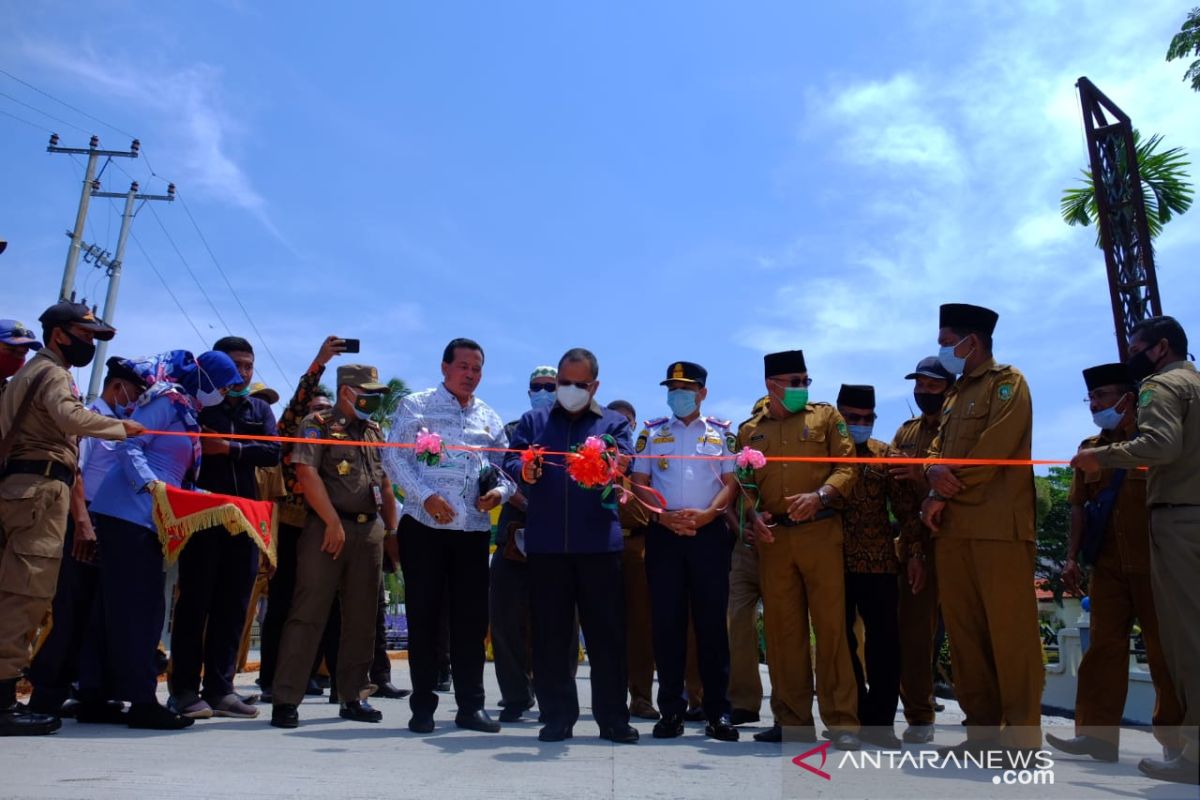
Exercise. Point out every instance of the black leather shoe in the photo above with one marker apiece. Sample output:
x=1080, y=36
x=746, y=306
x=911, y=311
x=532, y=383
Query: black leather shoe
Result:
x=740, y=716
x=445, y=682
x=313, y=689
x=512, y=713
x=109, y=712
x=668, y=727
x=390, y=691
x=267, y=697
x=846, y=741
x=1085, y=746
x=421, y=723
x=721, y=730
x=772, y=734
x=555, y=733
x=1178, y=770
x=18, y=721
x=477, y=721
x=285, y=715
x=625, y=734
x=695, y=714
x=880, y=737
x=360, y=711
x=155, y=717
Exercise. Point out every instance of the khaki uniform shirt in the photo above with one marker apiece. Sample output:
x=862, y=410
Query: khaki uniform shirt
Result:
x=912, y=440
x=989, y=414
x=818, y=430
x=1129, y=526
x=1168, y=440
x=56, y=417
x=869, y=545
x=353, y=475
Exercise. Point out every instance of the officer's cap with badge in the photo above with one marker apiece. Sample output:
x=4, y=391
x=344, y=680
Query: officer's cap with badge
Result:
x=930, y=367
x=966, y=317
x=17, y=335
x=1106, y=375
x=65, y=313
x=784, y=363
x=360, y=376
x=686, y=372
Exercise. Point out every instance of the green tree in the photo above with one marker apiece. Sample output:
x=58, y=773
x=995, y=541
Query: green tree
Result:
x=396, y=390
x=1053, y=528
x=1186, y=44
x=1164, y=186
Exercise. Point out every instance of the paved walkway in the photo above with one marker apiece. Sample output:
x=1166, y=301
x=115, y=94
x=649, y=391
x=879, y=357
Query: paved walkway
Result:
x=331, y=758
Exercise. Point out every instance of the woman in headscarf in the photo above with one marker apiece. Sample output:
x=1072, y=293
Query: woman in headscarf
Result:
x=129, y=616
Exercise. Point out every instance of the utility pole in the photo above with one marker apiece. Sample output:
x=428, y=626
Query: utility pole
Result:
x=113, y=268
x=90, y=186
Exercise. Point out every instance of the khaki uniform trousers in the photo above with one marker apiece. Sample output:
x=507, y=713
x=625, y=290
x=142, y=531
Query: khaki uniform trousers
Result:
x=1174, y=565
x=1119, y=597
x=33, y=524
x=639, y=642
x=986, y=591
x=354, y=578
x=918, y=630
x=802, y=576
x=745, y=681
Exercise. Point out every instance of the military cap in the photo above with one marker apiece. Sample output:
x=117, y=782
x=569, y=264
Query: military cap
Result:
x=360, y=376
x=686, y=372
x=64, y=313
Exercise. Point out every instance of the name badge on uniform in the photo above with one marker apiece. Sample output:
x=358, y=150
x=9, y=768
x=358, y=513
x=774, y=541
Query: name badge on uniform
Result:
x=663, y=439
x=343, y=468
x=377, y=493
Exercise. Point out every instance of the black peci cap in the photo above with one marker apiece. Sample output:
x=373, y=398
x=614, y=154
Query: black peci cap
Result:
x=784, y=363
x=856, y=396
x=968, y=317
x=1107, y=375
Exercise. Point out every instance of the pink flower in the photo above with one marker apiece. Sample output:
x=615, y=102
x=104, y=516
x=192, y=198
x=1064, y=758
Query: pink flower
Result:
x=750, y=458
x=428, y=443
x=594, y=444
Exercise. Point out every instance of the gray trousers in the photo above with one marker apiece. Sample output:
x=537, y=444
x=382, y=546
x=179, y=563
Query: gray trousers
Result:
x=1174, y=566
x=353, y=578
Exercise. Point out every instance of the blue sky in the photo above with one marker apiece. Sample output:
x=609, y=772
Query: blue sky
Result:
x=701, y=181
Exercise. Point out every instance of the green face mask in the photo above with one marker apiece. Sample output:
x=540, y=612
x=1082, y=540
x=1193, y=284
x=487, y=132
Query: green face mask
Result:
x=367, y=404
x=795, y=398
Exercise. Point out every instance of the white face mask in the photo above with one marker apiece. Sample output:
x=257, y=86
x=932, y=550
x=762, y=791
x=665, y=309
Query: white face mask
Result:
x=209, y=398
x=572, y=398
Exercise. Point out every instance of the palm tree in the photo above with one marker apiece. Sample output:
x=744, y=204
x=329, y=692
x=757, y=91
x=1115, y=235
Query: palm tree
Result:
x=396, y=390
x=1164, y=186
x=1187, y=43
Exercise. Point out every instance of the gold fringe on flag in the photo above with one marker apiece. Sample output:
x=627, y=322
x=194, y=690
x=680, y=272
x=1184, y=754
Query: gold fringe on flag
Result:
x=174, y=532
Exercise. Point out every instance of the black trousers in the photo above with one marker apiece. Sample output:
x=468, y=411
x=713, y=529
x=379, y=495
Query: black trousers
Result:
x=873, y=596
x=511, y=630
x=683, y=572
x=438, y=564
x=56, y=666
x=126, y=624
x=560, y=584
x=216, y=577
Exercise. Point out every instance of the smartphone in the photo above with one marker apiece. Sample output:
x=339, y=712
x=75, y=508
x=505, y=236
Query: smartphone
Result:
x=350, y=345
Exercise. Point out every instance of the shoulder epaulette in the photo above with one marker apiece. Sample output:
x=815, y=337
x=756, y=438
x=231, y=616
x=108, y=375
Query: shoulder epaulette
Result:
x=720, y=423
x=654, y=423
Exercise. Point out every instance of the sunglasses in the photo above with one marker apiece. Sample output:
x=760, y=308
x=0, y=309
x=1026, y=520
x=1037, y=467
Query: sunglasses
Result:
x=795, y=383
x=860, y=419
x=542, y=387
x=577, y=384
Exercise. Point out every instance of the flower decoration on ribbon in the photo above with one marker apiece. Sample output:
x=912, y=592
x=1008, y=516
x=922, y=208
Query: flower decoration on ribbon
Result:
x=595, y=464
x=429, y=448
x=748, y=460
x=531, y=461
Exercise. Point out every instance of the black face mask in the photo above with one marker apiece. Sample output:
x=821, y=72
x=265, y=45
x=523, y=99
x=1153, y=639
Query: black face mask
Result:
x=929, y=403
x=1140, y=366
x=78, y=353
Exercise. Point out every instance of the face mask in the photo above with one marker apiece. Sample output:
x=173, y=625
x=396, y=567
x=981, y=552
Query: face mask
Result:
x=243, y=392
x=1109, y=419
x=860, y=433
x=1140, y=366
x=78, y=353
x=795, y=398
x=929, y=403
x=365, y=405
x=9, y=364
x=541, y=400
x=682, y=402
x=209, y=398
x=572, y=398
x=953, y=364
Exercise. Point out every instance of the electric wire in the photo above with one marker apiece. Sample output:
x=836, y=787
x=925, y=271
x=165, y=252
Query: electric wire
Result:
x=59, y=120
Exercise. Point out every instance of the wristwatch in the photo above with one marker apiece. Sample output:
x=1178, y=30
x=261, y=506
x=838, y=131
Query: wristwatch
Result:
x=933, y=495
x=821, y=493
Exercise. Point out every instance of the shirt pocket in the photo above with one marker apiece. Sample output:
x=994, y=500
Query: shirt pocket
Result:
x=970, y=422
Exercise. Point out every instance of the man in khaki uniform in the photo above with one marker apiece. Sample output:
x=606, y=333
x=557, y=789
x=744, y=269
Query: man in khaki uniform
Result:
x=41, y=418
x=1168, y=442
x=918, y=608
x=340, y=551
x=1118, y=550
x=982, y=518
x=799, y=536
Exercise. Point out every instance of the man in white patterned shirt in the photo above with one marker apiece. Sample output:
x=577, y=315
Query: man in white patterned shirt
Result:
x=446, y=530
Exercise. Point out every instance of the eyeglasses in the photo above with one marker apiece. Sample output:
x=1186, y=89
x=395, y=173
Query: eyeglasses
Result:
x=577, y=384
x=794, y=383
x=542, y=387
x=860, y=419
x=1102, y=394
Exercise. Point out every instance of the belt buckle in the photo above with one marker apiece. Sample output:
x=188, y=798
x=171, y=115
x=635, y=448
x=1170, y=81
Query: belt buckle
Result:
x=48, y=469
x=361, y=518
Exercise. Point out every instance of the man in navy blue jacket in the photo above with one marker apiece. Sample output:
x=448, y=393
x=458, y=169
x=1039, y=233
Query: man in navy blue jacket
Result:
x=217, y=570
x=573, y=545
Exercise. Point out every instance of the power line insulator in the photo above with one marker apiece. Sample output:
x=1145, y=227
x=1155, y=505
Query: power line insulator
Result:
x=95, y=142
x=54, y=140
